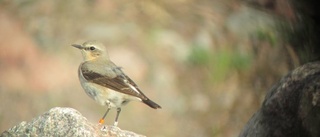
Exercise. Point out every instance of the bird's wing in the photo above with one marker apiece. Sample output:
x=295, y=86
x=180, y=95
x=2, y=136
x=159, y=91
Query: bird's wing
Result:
x=117, y=82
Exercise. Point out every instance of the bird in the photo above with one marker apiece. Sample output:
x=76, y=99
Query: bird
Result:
x=105, y=82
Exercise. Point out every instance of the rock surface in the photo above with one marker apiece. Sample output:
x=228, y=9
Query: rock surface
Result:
x=291, y=108
x=64, y=122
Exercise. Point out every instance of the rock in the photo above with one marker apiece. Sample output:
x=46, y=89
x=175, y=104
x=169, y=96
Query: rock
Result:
x=291, y=107
x=64, y=122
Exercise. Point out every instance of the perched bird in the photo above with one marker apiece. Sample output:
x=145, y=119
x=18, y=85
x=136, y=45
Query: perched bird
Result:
x=105, y=82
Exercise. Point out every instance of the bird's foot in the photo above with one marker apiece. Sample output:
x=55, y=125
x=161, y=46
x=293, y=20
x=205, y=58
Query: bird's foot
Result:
x=101, y=121
x=115, y=124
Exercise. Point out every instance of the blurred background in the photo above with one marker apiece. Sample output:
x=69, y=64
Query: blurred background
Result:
x=208, y=63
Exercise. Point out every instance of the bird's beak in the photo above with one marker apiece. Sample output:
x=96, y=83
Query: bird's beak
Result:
x=77, y=46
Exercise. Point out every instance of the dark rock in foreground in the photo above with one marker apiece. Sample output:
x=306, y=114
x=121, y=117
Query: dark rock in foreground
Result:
x=291, y=108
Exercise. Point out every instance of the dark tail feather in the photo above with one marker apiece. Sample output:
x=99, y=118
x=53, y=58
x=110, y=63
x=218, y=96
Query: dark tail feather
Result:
x=150, y=103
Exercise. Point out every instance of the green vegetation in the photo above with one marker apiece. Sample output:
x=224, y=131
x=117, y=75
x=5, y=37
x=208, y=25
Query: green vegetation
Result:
x=220, y=63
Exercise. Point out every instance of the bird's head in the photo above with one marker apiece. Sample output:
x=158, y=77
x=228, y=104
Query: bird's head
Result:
x=92, y=49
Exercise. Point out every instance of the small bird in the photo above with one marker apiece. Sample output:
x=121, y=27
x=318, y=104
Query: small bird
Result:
x=105, y=82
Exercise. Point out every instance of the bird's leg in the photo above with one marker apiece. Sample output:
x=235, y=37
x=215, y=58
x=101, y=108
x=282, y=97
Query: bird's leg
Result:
x=116, y=120
x=104, y=116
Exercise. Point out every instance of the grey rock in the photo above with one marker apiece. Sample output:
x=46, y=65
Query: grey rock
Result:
x=64, y=122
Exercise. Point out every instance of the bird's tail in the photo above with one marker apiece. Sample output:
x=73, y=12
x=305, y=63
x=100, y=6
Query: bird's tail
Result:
x=151, y=104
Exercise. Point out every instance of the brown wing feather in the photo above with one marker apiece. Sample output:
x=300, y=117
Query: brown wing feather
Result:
x=118, y=83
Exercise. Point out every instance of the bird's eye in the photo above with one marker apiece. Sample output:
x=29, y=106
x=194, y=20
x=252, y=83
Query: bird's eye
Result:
x=92, y=48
